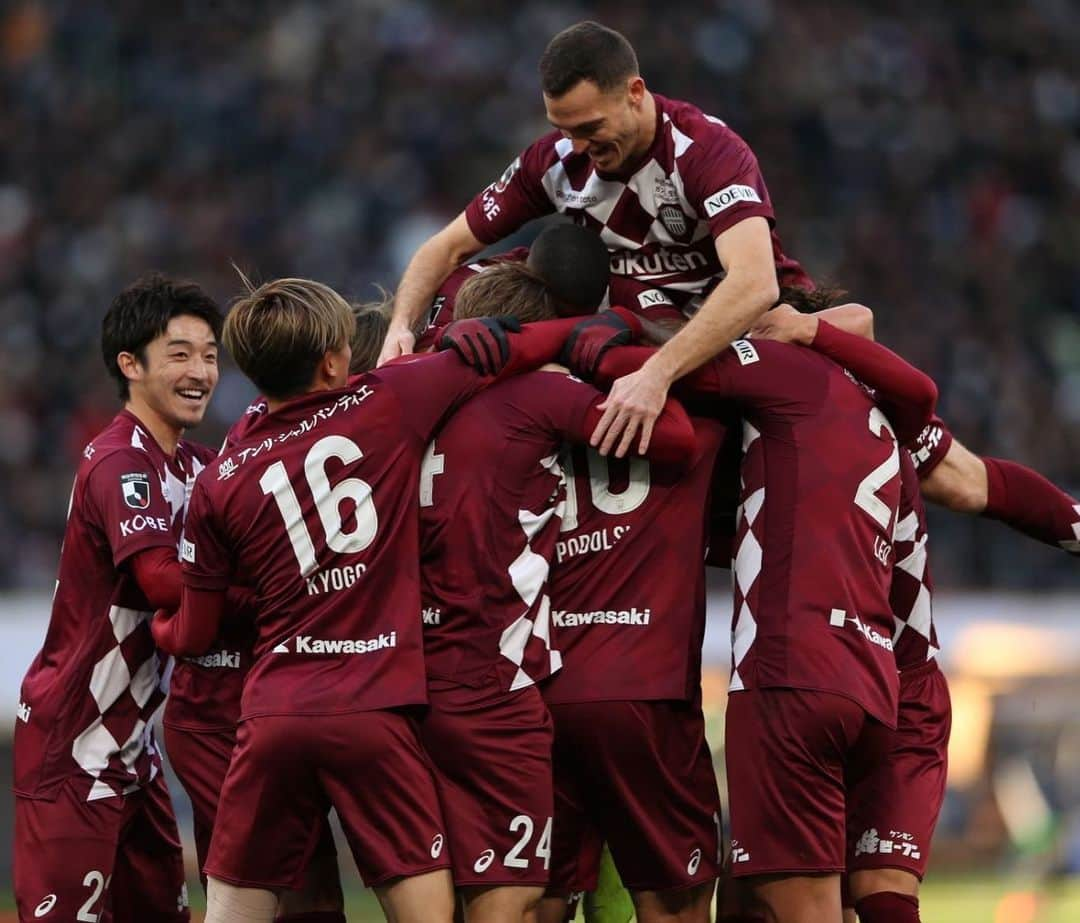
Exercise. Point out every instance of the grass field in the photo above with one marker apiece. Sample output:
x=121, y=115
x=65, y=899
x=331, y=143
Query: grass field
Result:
x=949, y=900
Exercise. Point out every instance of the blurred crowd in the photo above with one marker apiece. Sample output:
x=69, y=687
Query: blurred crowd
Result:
x=927, y=161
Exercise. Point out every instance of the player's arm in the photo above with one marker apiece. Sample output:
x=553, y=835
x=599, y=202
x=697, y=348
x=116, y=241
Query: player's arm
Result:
x=193, y=629
x=748, y=289
x=437, y=257
x=854, y=318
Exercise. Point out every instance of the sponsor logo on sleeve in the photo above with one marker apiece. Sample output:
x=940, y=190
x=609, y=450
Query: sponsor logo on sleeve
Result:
x=140, y=523
x=187, y=551
x=745, y=352
x=728, y=196
x=508, y=174
x=136, y=490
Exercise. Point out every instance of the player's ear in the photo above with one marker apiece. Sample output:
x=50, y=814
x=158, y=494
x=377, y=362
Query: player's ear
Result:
x=130, y=366
x=635, y=90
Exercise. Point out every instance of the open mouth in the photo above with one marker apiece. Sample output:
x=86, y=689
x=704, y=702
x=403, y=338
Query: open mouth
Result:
x=192, y=396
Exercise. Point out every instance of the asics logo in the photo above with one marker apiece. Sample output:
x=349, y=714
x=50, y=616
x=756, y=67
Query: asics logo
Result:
x=45, y=906
x=436, y=846
x=695, y=861
x=484, y=862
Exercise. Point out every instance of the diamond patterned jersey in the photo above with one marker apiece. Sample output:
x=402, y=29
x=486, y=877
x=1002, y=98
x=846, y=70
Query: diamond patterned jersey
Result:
x=659, y=220
x=912, y=592
x=88, y=700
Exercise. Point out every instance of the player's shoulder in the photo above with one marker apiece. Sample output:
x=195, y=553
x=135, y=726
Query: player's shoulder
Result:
x=196, y=451
x=124, y=441
x=694, y=128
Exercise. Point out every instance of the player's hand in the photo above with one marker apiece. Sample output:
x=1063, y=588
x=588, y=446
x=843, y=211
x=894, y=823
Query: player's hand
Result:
x=398, y=342
x=634, y=404
x=481, y=342
x=786, y=325
x=591, y=338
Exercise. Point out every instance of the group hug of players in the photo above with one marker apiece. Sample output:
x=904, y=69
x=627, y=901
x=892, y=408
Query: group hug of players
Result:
x=454, y=589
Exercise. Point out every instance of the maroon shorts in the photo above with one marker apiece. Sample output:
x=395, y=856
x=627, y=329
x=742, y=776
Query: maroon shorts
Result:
x=114, y=860
x=290, y=769
x=638, y=775
x=791, y=756
x=893, y=811
x=492, y=756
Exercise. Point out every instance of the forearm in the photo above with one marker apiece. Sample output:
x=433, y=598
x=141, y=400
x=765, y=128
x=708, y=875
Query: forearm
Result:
x=193, y=629
x=853, y=318
x=437, y=257
x=730, y=309
x=157, y=572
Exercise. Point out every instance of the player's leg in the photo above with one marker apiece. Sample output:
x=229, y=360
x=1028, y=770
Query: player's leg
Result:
x=788, y=757
x=491, y=752
x=576, y=843
x=200, y=760
x=229, y=903
x=264, y=834
x=64, y=851
x=889, y=838
x=148, y=878
x=379, y=780
x=320, y=900
x=651, y=790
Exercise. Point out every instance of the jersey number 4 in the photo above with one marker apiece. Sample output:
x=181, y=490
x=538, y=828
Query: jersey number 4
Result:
x=275, y=482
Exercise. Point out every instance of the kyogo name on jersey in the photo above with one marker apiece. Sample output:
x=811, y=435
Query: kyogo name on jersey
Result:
x=633, y=616
x=334, y=579
x=305, y=644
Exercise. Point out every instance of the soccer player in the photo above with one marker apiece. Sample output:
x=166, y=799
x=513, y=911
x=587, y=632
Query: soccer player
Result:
x=94, y=828
x=814, y=688
x=572, y=261
x=491, y=501
x=317, y=511
x=675, y=195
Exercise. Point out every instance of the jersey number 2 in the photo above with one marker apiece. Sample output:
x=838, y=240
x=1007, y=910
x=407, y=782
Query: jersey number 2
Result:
x=275, y=482
x=866, y=497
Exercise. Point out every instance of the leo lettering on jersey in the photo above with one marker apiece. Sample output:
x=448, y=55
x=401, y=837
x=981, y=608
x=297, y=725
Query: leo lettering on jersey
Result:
x=560, y=618
x=334, y=579
x=728, y=196
x=141, y=523
x=598, y=540
x=306, y=644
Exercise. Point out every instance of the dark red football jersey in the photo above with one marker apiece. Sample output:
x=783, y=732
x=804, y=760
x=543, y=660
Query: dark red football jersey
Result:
x=929, y=448
x=912, y=593
x=317, y=511
x=87, y=702
x=813, y=548
x=491, y=496
x=628, y=584
x=659, y=222
x=205, y=691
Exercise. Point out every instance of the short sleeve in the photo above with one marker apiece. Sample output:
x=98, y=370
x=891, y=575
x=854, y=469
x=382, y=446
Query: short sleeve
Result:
x=126, y=498
x=722, y=179
x=516, y=197
x=205, y=558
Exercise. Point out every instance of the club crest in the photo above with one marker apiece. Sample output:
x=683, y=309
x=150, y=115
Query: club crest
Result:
x=136, y=490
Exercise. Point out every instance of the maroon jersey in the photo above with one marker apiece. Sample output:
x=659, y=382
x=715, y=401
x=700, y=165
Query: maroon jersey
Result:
x=316, y=510
x=205, y=691
x=929, y=448
x=628, y=586
x=441, y=311
x=912, y=594
x=88, y=700
x=659, y=222
x=491, y=498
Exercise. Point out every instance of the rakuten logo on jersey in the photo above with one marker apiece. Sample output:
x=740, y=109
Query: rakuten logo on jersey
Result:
x=229, y=660
x=560, y=618
x=838, y=618
x=660, y=262
x=305, y=644
x=141, y=523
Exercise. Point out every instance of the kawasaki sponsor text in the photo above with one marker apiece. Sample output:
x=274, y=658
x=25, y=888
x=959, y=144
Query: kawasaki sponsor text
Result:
x=560, y=618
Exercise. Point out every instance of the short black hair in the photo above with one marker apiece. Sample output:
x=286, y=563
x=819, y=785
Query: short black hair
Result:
x=142, y=311
x=586, y=51
x=574, y=263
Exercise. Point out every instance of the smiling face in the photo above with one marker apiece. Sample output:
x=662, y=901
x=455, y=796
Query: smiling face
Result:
x=176, y=373
x=612, y=128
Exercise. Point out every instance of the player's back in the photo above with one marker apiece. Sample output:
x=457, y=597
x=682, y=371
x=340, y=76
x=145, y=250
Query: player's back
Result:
x=628, y=584
x=316, y=510
x=813, y=553
x=492, y=492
